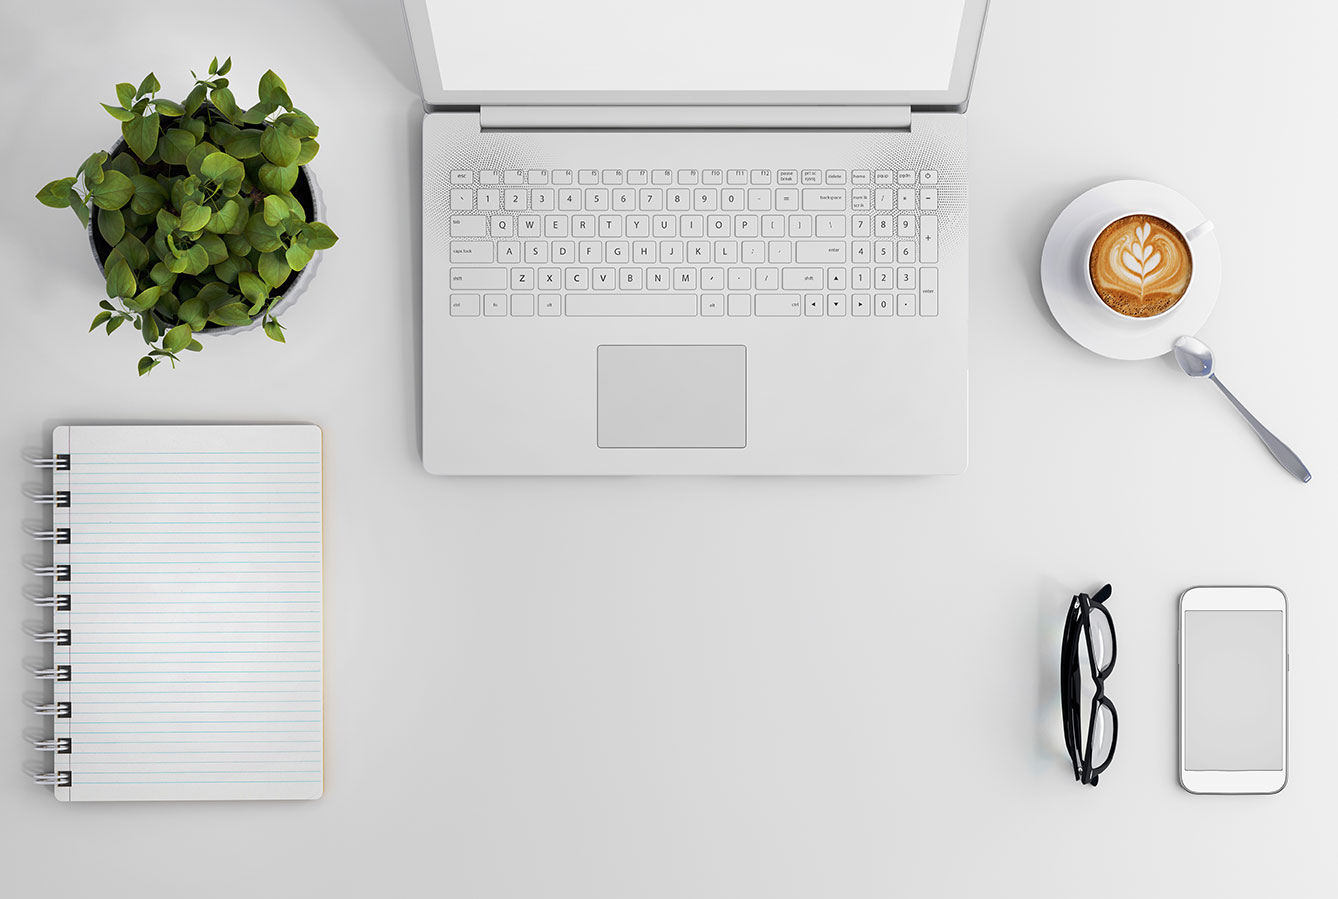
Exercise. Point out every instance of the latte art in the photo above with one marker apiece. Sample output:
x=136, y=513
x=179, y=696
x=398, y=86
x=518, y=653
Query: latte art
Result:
x=1140, y=265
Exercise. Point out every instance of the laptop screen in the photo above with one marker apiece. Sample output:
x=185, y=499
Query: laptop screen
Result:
x=695, y=45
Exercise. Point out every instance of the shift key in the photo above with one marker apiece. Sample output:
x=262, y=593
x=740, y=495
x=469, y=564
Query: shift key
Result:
x=478, y=278
x=802, y=279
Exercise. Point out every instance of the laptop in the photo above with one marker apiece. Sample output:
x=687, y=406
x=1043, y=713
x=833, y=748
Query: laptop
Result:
x=713, y=237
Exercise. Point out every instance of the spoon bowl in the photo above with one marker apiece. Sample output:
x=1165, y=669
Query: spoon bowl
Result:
x=1194, y=356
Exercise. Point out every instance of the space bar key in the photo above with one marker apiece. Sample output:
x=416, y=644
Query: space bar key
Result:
x=585, y=304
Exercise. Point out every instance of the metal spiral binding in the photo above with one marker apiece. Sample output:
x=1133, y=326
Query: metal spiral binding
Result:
x=52, y=709
x=58, y=498
x=58, y=462
x=59, y=572
x=59, y=603
x=58, y=673
x=59, y=637
x=57, y=536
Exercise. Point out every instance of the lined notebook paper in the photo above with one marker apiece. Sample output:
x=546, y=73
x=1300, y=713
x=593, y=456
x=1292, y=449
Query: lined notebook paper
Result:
x=194, y=585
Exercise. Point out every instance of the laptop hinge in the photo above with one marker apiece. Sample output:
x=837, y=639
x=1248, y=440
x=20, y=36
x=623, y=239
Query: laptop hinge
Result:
x=694, y=118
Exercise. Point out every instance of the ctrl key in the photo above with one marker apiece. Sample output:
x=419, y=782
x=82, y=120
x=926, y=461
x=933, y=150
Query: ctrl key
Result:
x=465, y=303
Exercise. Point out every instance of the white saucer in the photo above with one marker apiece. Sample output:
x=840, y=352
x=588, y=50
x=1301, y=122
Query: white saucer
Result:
x=1064, y=272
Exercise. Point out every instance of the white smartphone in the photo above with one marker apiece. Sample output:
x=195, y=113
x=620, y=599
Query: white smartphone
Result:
x=1233, y=689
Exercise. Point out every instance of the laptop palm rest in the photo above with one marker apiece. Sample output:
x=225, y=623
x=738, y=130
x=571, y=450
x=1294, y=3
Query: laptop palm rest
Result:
x=672, y=397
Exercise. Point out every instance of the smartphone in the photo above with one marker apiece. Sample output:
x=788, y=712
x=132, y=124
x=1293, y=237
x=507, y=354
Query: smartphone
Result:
x=1233, y=666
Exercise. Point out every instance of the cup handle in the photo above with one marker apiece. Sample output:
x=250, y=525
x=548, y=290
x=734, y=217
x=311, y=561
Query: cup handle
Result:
x=1198, y=231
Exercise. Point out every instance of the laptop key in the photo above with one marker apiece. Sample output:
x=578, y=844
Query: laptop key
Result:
x=465, y=304
x=631, y=304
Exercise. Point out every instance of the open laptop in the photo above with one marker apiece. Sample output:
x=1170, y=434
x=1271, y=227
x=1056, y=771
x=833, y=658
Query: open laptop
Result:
x=714, y=237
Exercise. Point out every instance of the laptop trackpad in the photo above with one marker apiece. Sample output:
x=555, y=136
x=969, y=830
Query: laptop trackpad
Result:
x=673, y=397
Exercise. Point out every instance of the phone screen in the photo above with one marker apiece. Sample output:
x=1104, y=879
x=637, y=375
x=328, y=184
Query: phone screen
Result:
x=1233, y=669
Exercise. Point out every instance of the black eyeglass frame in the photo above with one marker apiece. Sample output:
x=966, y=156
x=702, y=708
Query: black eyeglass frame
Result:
x=1078, y=621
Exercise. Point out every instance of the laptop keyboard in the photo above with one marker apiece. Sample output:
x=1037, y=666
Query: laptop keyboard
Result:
x=688, y=242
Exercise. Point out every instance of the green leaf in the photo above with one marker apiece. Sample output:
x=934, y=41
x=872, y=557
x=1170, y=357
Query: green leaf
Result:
x=149, y=195
x=195, y=99
x=197, y=156
x=300, y=124
x=298, y=255
x=228, y=269
x=213, y=66
x=120, y=280
x=214, y=246
x=99, y=319
x=319, y=236
x=125, y=92
x=80, y=207
x=92, y=168
x=245, y=144
x=149, y=85
x=146, y=365
x=194, y=217
x=224, y=218
x=223, y=170
x=226, y=67
x=197, y=259
x=226, y=103
x=167, y=221
x=253, y=287
x=161, y=276
x=276, y=210
x=56, y=194
x=273, y=269
x=169, y=108
x=125, y=164
x=274, y=330
x=175, y=340
x=167, y=305
x=141, y=133
x=115, y=322
x=111, y=225
x=134, y=252
x=258, y=113
x=222, y=132
x=175, y=145
x=309, y=150
x=264, y=238
x=146, y=299
x=113, y=192
x=273, y=90
x=148, y=328
x=279, y=145
x=194, y=126
x=278, y=179
x=214, y=295
x=116, y=112
x=193, y=311
x=231, y=314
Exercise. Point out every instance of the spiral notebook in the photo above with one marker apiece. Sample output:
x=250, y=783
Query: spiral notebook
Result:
x=185, y=595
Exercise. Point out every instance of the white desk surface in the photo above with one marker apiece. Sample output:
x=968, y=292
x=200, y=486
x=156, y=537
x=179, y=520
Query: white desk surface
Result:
x=726, y=688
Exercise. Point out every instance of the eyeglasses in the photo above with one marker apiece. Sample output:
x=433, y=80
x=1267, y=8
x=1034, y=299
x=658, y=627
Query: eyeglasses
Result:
x=1085, y=662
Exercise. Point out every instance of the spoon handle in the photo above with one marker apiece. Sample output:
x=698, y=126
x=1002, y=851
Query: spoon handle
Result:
x=1283, y=453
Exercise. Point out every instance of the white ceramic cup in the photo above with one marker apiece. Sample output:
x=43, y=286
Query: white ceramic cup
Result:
x=1188, y=234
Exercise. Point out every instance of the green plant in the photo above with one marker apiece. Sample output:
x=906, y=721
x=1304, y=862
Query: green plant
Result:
x=200, y=215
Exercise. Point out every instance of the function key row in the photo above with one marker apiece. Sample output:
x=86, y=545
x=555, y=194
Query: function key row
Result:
x=692, y=177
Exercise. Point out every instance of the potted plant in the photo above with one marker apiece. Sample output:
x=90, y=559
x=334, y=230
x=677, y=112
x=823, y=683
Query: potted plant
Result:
x=204, y=216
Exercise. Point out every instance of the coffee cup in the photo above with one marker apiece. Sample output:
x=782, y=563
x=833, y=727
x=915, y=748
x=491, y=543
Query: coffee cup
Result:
x=1140, y=265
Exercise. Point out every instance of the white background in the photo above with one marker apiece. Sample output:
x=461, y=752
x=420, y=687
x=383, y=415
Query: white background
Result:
x=727, y=688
